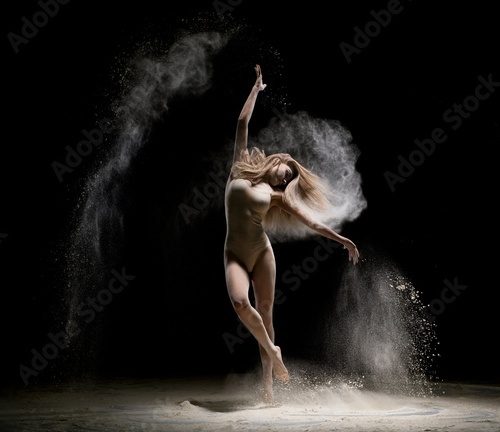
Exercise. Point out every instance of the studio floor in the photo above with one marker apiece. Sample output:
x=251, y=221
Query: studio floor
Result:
x=232, y=404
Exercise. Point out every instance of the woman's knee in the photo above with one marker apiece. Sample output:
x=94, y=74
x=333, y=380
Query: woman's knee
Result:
x=240, y=304
x=265, y=307
x=266, y=314
x=243, y=309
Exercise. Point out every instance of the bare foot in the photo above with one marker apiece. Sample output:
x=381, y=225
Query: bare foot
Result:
x=279, y=369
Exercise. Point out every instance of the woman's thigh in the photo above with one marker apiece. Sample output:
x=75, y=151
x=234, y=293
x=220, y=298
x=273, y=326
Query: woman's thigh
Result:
x=237, y=280
x=264, y=279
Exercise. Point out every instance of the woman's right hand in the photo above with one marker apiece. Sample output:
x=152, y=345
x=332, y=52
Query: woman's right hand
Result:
x=258, y=82
x=352, y=249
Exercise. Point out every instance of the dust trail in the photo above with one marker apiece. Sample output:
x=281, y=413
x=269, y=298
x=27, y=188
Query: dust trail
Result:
x=96, y=239
x=326, y=148
x=381, y=333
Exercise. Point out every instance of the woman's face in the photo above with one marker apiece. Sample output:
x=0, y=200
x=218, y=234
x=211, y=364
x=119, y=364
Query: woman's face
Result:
x=280, y=175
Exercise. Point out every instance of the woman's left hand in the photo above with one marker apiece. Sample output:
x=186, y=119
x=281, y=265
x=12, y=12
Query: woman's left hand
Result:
x=352, y=249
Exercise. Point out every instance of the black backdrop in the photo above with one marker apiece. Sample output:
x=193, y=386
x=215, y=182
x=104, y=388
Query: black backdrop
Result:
x=437, y=225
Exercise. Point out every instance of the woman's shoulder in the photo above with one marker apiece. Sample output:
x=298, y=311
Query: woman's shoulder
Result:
x=231, y=179
x=239, y=181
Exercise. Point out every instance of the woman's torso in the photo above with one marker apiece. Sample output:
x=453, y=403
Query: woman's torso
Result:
x=245, y=208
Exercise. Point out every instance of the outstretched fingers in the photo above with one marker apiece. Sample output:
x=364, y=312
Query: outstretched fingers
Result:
x=353, y=254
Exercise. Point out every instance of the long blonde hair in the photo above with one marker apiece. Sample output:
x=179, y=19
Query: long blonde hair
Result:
x=305, y=190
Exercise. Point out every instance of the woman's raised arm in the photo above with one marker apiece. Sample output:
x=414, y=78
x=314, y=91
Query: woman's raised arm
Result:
x=241, y=141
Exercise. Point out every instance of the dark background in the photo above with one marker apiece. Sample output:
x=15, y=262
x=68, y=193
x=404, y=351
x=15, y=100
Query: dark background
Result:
x=437, y=225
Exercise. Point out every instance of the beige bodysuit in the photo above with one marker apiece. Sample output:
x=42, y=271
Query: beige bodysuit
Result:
x=246, y=207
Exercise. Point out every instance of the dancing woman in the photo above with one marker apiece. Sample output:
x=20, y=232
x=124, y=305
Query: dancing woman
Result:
x=262, y=193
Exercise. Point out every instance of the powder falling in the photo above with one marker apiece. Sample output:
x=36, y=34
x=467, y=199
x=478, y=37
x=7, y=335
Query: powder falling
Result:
x=96, y=239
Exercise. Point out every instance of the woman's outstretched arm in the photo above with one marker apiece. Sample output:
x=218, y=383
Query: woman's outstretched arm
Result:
x=319, y=227
x=240, y=144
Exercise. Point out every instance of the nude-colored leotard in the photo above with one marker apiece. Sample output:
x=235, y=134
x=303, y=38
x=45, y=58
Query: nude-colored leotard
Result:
x=246, y=206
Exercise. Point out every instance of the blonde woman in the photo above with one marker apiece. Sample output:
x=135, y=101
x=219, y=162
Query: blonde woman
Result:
x=265, y=193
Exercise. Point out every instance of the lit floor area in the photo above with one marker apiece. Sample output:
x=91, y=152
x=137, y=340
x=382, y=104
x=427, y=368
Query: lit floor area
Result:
x=231, y=404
